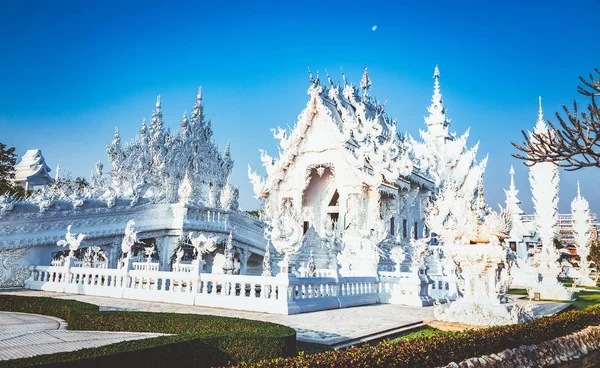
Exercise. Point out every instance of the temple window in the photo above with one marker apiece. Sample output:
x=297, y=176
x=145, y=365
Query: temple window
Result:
x=404, y=228
x=416, y=230
x=306, y=226
x=392, y=226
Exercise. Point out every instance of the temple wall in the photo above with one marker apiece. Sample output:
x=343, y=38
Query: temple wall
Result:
x=28, y=237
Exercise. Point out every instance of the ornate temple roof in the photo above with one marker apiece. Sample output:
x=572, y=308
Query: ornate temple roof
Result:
x=369, y=135
x=33, y=169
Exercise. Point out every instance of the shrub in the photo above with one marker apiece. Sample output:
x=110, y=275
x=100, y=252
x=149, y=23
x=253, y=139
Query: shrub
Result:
x=198, y=340
x=444, y=347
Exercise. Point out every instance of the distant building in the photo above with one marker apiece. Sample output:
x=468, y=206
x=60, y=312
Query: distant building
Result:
x=32, y=170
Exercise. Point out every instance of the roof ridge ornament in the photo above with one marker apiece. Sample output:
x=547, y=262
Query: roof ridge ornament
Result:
x=365, y=82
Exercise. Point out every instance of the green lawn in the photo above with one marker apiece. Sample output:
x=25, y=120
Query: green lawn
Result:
x=517, y=292
x=586, y=299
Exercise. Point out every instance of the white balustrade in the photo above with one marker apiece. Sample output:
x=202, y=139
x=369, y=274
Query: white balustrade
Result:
x=185, y=267
x=283, y=294
x=145, y=266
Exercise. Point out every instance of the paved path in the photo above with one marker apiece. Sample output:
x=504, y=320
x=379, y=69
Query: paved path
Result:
x=328, y=327
x=24, y=335
x=324, y=327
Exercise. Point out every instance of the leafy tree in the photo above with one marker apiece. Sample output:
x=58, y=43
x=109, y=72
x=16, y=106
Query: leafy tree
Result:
x=574, y=144
x=595, y=253
x=254, y=213
x=8, y=159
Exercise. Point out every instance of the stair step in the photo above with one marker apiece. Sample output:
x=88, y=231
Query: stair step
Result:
x=380, y=335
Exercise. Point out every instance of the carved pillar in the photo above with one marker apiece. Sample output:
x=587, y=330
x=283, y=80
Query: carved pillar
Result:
x=214, y=194
x=165, y=246
x=113, y=252
x=244, y=255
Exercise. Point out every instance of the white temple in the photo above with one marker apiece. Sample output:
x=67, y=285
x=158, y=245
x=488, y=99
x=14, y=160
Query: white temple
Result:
x=353, y=213
x=32, y=171
x=345, y=172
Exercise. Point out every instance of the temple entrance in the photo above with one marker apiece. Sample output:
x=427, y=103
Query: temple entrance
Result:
x=320, y=201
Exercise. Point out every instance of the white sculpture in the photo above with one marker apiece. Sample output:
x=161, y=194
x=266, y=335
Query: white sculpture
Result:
x=88, y=257
x=203, y=244
x=129, y=239
x=267, y=261
x=73, y=241
x=543, y=178
x=582, y=226
x=398, y=256
x=149, y=251
x=228, y=265
x=472, y=236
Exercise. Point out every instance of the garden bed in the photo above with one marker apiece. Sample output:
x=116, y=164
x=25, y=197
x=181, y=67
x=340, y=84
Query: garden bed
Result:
x=443, y=347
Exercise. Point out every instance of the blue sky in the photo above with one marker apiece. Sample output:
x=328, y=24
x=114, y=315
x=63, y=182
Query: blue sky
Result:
x=70, y=72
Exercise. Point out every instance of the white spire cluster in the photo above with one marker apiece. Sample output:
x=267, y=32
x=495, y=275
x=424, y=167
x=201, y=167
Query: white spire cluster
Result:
x=544, y=181
x=157, y=160
x=582, y=225
x=512, y=202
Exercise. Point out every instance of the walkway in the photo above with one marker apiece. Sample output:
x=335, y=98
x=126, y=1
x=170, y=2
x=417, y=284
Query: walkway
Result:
x=24, y=335
x=329, y=327
x=324, y=327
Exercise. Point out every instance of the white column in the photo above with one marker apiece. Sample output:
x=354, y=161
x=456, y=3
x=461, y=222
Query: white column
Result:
x=244, y=255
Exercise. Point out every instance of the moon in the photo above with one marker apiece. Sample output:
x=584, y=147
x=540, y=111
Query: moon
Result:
x=374, y=28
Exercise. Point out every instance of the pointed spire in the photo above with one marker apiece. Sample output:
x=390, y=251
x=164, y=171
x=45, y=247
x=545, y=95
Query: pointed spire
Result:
x=344, y=76
x=328, y=78
x=185, y=122
x=144, y=128
x=57, y=175
x=512, y=177
x=540, y=126
x=512, y=202
x=365, y=82
x=227, y=152
x=117, y=138
x=310, y=76
x=156, y=124
x=437, y=121
x=197, y=118
x=578, y=190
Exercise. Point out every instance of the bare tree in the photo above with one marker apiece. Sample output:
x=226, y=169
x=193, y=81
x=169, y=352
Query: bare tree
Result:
x=574, y=144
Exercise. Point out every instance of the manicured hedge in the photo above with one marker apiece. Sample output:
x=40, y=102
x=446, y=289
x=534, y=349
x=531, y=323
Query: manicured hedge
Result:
x=198, y=340
x=444, y=347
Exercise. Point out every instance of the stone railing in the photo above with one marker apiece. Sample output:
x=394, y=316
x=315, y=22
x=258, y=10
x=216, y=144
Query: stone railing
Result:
x=145, y=266
x=404, y=288
x=185, y=267
x=283, y=294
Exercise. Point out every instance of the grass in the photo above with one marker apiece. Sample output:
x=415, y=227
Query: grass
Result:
x=517, y=292
x=586, y=299
x=193, y=340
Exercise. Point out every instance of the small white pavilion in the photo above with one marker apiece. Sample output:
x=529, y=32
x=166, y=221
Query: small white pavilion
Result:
x=32, y=170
